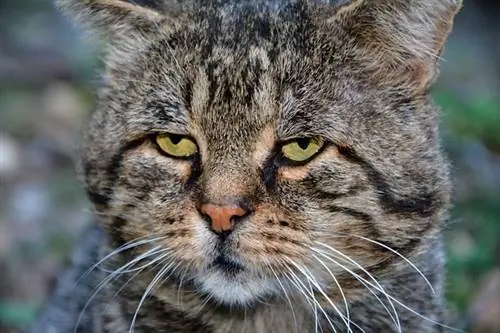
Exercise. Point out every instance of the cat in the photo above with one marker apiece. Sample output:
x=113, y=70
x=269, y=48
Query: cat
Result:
x=267, y=166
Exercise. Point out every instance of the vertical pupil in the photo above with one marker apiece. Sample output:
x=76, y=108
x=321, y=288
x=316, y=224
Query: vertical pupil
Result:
x=175, y=139
x=303, y=143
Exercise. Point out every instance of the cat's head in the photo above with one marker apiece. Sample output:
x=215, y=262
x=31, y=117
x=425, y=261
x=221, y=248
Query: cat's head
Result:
x=256, y=144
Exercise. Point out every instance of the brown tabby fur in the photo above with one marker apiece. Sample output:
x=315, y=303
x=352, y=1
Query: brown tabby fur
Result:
x=241, y=77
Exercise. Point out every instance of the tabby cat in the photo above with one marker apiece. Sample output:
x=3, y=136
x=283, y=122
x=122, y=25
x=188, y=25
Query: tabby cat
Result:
x=267, y=166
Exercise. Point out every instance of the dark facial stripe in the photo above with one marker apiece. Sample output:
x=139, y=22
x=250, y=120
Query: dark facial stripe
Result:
x=367, y=219
x=116, y=231
x=350, y=211
x=112, y=173
x=405, y=250
x=212, y=88
x=196, y=171
x=269, y=170
x=96, y=198
x=114, y=167
x=324, y=195
x=424, y=205
x=188, y=94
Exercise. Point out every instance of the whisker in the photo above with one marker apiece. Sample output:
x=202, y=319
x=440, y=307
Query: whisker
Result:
x=133, y=277
x=286, y=294
x=378, y=288
x=307, y=273
x=408, y=261
x=155, y=262
x=206, y=299
x=344, y=257
x=315, y=310
x=153, y=252
x=309, y=295
x=111, y=277
x=338, y=286
x=394, y=319
x=126, y=283
x=150, y=287
x=131, y=244
x=179, y=294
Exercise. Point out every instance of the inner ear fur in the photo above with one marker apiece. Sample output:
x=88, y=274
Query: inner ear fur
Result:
x=398, y=40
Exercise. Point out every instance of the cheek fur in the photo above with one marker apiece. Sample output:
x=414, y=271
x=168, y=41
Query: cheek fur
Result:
x=331, y=198
x=149, y=196
x=271, y=236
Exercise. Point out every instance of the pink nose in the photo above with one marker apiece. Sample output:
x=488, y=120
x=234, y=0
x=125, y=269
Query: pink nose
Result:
x=222, y=216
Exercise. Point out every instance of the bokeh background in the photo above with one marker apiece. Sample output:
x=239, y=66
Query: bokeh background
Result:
x=47, y=74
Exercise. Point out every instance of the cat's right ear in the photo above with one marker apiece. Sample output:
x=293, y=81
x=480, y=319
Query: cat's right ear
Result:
x=117, y=20
x=398, y=41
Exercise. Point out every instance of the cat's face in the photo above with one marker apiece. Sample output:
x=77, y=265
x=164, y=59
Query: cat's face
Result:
x=306, y=148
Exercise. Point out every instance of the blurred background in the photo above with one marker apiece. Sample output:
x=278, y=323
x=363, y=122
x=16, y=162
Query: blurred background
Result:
x=47, y=74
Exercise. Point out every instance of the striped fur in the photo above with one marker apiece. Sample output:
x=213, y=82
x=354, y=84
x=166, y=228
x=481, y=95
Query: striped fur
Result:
x=349, y=242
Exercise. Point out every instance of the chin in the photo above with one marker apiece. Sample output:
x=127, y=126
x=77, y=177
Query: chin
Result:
x=235, y=289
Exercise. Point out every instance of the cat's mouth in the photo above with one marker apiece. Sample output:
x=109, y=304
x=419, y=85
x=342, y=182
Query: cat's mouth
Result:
x=230, y=283
x=226, y=264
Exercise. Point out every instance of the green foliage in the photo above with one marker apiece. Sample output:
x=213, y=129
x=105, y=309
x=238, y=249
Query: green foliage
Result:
x=475, y=117
x=473, y=236
x=17, y=314
x=473, y=245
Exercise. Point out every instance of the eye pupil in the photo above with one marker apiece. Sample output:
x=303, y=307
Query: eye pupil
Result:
x=303, y=143
x=302, y=149
x=175, y=145
x=175, y=139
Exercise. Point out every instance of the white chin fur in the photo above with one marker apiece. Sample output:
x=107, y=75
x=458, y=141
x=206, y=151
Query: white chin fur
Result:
x=234, y=290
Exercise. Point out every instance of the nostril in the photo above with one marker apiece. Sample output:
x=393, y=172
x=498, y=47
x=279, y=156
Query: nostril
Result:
x=239, y=218
x=204, y=216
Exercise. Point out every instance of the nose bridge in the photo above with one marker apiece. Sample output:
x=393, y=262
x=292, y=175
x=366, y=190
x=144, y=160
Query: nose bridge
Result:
x=227, y=186
x=227, y=179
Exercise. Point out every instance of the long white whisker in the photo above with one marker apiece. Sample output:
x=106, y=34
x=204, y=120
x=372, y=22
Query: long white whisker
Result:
x=408, y=308
x=315, y=309
x=399, y=255
x=309, y=276
x=179, y=294
x=150, y=287
x=131, y=278
x=207, y=298
x=152, y=252
x=309, y=295
x=338, y=286
x=159, y=261
x=154, y=261
x=124, y=247
x=126, y=283
x=394, y=319
x=111, y=277
x=344, y=257
x=286, y=295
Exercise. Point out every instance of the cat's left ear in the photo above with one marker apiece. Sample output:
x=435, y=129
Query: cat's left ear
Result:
x=395, y=39
x=116, y=20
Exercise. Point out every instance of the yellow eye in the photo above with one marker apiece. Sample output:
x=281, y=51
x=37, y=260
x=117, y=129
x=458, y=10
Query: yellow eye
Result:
x=176, y=145
x=301, y=150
